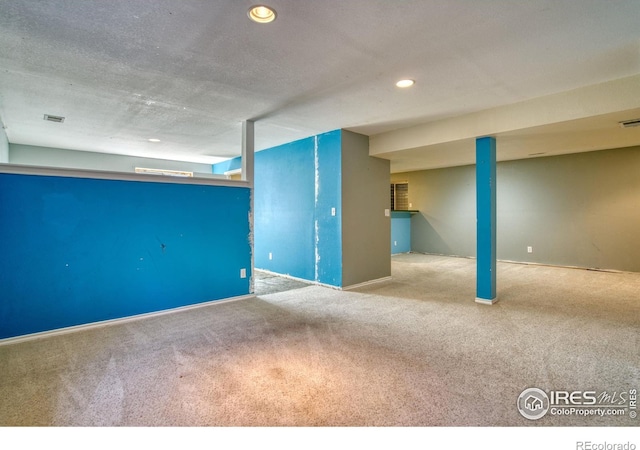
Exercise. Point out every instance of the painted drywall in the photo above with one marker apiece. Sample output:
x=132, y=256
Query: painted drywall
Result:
x=303, y=228
x=284, y=210
x=74, y=159
x=365, y=228
x=400, y=232
x=79, y=250
x=329, y=210
x=225, y=166
x=446, y=201
x=573, y=210
x=296, y=185
x=4, y=145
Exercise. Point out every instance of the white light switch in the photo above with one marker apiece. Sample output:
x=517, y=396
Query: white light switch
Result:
x=243, y=273
x=387, y=213
x=333, y=211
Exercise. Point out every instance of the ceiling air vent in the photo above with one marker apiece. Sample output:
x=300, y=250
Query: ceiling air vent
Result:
x=50, y=118
x=630, y=123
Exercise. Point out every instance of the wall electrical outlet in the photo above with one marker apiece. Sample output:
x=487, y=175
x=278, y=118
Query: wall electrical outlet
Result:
x=529, y=249
x=243, y=273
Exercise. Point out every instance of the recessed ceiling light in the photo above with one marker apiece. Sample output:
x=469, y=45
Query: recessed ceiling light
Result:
x=405, y=83
x=154, y=140
x=262, y=14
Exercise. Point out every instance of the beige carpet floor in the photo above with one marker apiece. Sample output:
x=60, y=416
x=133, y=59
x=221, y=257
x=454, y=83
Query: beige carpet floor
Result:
x=416, y=351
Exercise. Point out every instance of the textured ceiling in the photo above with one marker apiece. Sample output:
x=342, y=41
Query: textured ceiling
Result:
x=189, y=72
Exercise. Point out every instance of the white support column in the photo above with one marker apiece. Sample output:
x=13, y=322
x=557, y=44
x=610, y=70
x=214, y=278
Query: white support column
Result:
x=248, y=149
x=4, y=145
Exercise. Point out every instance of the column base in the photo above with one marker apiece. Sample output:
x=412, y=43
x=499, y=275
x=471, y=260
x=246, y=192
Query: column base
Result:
x=486, y=301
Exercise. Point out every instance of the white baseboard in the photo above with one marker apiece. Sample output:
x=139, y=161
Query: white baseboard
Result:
x=367, y=283
x=105, y=323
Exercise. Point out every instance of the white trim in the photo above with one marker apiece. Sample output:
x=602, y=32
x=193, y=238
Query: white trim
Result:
x=16, y=169
x=367, y=283
x=484, y=301
x=119, y=321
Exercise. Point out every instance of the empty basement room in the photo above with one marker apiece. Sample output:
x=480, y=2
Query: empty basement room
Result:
x=348, y=217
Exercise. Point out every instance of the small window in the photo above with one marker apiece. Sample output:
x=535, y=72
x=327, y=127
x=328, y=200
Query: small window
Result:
x=400, y=196
x=165, y=172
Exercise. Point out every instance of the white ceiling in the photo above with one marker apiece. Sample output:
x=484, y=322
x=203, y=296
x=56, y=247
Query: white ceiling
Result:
x=189, y=72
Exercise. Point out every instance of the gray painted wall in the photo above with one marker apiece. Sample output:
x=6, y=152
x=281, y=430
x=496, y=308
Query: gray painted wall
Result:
x=365, y=228
x=4, y=145
x=73, y=159
x=578, y=210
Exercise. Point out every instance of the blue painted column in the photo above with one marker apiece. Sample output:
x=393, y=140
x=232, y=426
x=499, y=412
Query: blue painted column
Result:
x=486, y=220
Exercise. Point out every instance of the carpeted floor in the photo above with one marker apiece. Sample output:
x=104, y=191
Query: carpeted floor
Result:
x=415, y=351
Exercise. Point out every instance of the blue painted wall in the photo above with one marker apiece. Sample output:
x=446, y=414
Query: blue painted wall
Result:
x=225, y=166
x=296, y=186
x=400, y=232
x=328, y=184
x=284, y=209
x=76, y=251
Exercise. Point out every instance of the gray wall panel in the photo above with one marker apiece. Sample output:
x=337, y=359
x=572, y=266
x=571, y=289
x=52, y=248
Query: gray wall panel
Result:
x=366, y=244
x=575, y=210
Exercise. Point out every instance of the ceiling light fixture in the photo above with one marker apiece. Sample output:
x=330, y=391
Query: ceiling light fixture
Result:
x=405, y=83
x=154, y=140
x=262, y=14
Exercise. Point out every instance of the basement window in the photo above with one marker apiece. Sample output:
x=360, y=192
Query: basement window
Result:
x=169, y=173
x=400, y=196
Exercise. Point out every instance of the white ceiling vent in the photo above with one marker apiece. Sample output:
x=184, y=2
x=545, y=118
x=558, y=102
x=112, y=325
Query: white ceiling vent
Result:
x=50, y=118
x=630, y=123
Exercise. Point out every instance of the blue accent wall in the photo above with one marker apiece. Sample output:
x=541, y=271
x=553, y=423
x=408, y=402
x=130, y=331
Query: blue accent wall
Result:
x=295, y=188
x=77, y=250
x=284, y=209
x=328, y=183
x=400, y=232
x=225, y=166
